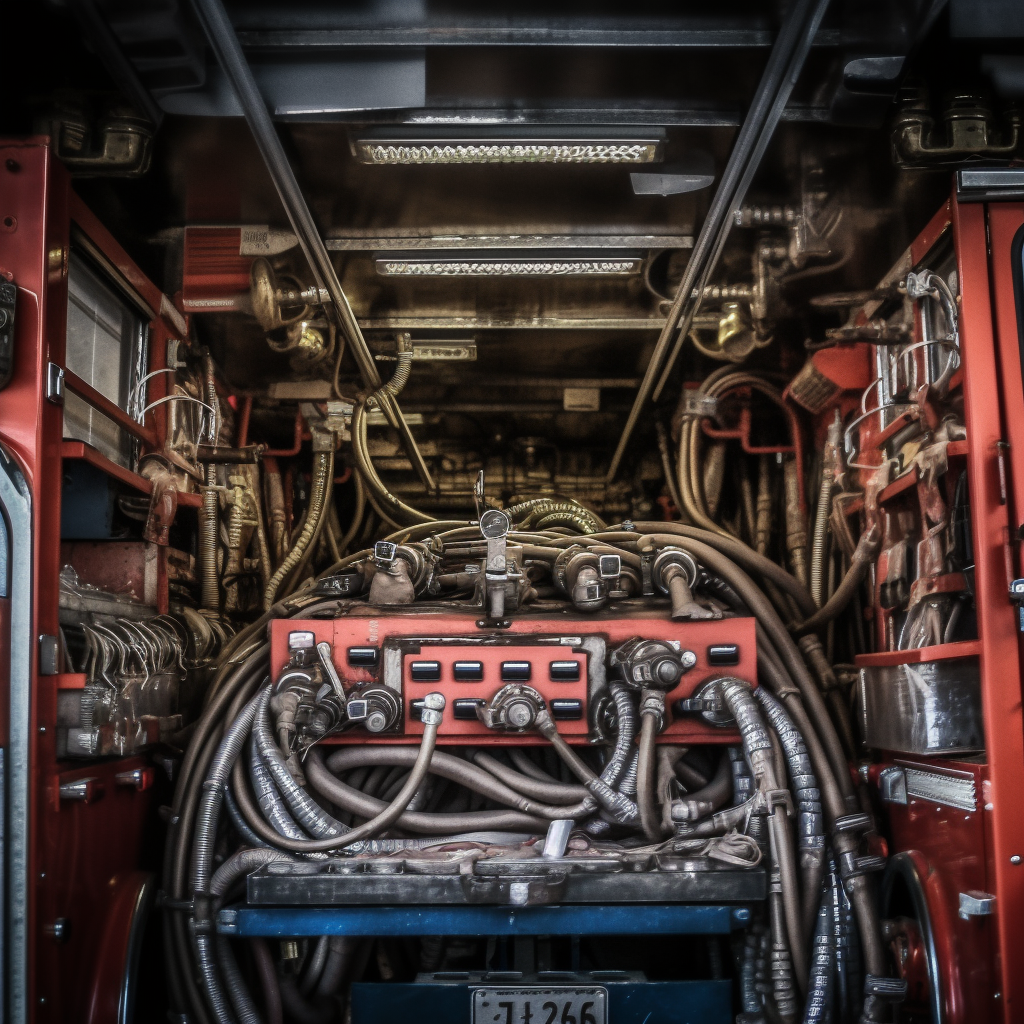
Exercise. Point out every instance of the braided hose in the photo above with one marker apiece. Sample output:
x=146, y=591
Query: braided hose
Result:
x=824, y=509
x=323, y=479
x=399, y=378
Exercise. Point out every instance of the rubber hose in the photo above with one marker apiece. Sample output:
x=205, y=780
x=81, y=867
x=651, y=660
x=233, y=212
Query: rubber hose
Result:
x=210, y=595
x=299, y=1009
x=787, y=651
x=820, y=539
x=745, y=557
x=711, y=797
x=818, y=1008
x=864, y=556
x=202, y=853
x=458, y=771
x=550, y=792
x=621, y=808
x=812, y=650
x=757, y=745
x=388, y=816
x=522, y=761
x=239, y=823
x=307, y=812
x=267, y=796
x=268, y=980
x=317, y=962
x=373, y=482
x=323, y=481
x=238, y=993
x=242, y=862
x=355, y=802
x=645, y=779
x=810, y=821
x=339, y=959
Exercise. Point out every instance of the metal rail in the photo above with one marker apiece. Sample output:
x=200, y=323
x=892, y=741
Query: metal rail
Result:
x=16, y=510
x=221, y=35
x=773, y=91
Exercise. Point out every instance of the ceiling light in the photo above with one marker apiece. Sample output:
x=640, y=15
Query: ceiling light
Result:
x=507, y=151
x=508, y=267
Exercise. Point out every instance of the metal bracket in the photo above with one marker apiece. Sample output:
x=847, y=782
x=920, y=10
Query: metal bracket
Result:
x=892, y=785
x=55, y=383
x=974, y=903
x=49, y=655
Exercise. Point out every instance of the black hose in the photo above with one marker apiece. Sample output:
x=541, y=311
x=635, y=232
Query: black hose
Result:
x=818, y=1008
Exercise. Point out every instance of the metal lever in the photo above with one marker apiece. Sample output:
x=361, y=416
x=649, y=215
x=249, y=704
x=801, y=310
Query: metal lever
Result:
x=494, y=525
x=327, y=662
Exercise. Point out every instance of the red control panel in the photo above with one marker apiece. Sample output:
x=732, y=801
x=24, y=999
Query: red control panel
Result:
x=564, y=659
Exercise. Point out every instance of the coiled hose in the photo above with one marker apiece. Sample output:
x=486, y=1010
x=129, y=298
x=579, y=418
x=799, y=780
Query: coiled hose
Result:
x=811, y=826
x=757, y=746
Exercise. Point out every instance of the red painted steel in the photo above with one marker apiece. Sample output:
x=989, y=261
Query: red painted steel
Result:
x=984, y=372
x=948, y=848
x=75, y=849
x=363, y=629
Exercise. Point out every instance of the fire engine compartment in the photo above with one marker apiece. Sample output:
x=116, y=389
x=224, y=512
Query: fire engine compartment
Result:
x=512, y=516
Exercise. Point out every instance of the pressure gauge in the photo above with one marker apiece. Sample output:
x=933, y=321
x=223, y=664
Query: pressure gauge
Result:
x=494, y=524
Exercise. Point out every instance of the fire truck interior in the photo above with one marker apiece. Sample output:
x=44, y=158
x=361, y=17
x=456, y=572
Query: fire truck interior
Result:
x=511, y=513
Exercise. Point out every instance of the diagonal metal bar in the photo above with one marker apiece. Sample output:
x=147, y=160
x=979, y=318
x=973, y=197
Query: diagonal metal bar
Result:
x=221, y=35
x=773, y=91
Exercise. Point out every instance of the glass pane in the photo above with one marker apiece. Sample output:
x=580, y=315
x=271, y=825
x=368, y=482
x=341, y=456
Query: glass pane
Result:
x=106, y=348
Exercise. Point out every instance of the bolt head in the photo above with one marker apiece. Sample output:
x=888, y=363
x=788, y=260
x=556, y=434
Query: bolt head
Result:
x=519, y=714
x=688, y=658
x=376, y=722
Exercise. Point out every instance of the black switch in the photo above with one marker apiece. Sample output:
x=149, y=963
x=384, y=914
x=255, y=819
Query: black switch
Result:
x=516, y=671
x=425, y=671
x=363, y=657
x=724, y=654
x=564, y=671
x=567, y=710
x=464, y=709
x=416, y=708
x=468, y=671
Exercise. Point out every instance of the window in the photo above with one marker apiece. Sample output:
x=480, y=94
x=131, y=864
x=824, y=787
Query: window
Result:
x=106, y=347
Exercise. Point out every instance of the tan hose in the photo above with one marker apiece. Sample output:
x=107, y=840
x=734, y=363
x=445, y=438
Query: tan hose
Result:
x=863, y=557
x=323, y=477
x=389, y=503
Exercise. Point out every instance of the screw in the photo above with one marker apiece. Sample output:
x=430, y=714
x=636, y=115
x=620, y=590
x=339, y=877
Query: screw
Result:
x=1015, y=859
x=688, y=658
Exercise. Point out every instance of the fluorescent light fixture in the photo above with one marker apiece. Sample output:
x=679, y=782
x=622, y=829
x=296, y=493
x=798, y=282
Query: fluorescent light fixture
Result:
x=507, y=151
x=444, y=351
x=508, y=267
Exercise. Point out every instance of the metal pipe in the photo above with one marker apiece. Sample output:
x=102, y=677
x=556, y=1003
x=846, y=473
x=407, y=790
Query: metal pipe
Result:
x=224, y=42
x=777, y=81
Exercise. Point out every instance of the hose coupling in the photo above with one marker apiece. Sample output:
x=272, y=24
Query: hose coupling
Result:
x=433, y=706
x=514, y=708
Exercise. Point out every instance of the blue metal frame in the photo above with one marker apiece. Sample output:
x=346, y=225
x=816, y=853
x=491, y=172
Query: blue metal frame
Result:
x=618, y=919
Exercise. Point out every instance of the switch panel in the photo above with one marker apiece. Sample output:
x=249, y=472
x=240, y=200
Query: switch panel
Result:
x=563, y=659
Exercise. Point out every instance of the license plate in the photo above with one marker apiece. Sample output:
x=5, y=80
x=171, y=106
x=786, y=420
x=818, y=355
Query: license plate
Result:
x=524, y=1005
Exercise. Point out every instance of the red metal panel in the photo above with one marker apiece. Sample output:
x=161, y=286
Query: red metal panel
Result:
x=948, y=846
x=75, y=850
x=361, y=630
x=34, y=191
x=1000, y=657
